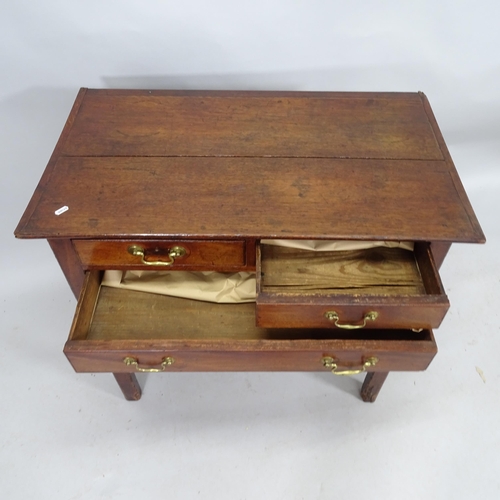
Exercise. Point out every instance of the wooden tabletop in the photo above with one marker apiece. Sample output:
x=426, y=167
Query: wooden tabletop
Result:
x=251, y=164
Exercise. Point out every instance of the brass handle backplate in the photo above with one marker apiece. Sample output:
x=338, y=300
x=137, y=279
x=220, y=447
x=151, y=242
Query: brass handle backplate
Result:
x=331, y=364
x=173, y=253
x=334, y=316
x=129, y=361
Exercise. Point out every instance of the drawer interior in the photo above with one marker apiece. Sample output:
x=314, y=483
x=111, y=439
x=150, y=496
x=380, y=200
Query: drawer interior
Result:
x=377, y=271
x=106, y=313
x=114, y=325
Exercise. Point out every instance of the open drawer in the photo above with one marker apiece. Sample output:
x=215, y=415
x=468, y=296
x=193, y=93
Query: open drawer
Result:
x=117, y=330
x=373, y=288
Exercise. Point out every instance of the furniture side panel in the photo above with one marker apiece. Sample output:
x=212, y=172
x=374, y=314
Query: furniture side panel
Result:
x=69, y=262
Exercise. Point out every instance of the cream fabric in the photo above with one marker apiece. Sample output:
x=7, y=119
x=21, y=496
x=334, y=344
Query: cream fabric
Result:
x=337, y=245
x=207, y=286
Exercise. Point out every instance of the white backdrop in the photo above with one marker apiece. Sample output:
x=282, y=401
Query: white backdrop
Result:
x=430, y=435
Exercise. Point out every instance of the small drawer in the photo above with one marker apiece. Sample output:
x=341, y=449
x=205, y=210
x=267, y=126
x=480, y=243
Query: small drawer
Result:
x=374, y=288
x=118, y=331
x=161, y=254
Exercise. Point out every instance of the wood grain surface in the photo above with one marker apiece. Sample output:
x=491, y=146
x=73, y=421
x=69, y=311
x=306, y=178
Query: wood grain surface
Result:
x=251, y=197
x=252, y=165
x=231, y=124
x=374, y=271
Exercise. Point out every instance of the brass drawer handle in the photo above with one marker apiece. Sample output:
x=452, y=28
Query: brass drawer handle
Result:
x=331, y=364
x=129, y=361
x=173, y=253
x=333, y=316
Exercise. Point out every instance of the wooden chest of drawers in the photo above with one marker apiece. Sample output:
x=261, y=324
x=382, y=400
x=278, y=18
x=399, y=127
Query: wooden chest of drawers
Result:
x=201, y=181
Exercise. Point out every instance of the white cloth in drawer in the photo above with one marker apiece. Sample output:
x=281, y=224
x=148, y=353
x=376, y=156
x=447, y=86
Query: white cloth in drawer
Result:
x=208, y=286
x=337, y=245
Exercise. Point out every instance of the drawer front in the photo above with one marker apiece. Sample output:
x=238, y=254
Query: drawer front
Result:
x=388, y=355
x=343, y=313
x=417, y=301
x=161, y=254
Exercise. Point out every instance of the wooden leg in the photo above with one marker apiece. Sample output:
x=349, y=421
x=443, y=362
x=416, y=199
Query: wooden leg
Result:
x=129, y=385
x=372, y=385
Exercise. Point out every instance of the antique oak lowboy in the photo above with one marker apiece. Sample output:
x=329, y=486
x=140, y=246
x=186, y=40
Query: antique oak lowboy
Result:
x=201, y=180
